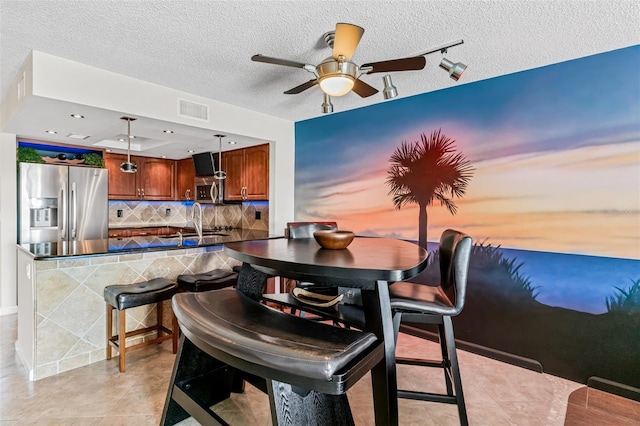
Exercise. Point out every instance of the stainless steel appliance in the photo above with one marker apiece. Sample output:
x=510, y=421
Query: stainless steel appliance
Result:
x=62, y=203
x=209, y=189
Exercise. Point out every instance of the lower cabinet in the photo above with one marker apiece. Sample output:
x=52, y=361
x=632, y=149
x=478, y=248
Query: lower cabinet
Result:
x=119, y=233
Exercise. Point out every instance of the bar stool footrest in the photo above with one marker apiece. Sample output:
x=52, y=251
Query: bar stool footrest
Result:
x=113, y=341
x=426, y=396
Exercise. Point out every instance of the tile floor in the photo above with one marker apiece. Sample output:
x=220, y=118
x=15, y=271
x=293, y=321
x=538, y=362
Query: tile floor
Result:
x=496, y=393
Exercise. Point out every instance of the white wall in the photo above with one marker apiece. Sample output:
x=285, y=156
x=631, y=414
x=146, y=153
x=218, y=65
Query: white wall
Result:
x=8, y=229
x=59, y=79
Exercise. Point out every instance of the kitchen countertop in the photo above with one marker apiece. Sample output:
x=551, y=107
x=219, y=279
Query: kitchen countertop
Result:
x=141, y=244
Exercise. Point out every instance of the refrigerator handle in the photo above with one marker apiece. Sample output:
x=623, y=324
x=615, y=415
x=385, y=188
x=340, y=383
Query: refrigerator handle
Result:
x=62, y=201
x=74, y=211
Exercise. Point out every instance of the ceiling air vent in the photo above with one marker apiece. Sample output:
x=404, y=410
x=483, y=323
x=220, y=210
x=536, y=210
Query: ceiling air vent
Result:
x=193, y=110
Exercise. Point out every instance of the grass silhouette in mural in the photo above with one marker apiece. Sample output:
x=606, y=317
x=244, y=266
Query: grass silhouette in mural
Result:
x=625, y=301
x=426, y=171
x=501, y=312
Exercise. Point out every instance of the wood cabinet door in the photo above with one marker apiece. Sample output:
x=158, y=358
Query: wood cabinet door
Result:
x=119, y=233
x=157, y=178
x=122, y=186
x=256, y=172
x=185, y=179
x=234, y=165
x=144, y=232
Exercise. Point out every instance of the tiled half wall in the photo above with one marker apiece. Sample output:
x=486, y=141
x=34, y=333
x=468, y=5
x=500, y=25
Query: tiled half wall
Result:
x=175, y=213
x=70, y=307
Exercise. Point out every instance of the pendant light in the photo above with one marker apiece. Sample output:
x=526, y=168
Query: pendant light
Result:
x=128, y=166
x=220, y=174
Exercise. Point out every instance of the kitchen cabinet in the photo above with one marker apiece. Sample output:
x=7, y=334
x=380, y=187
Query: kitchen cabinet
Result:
x=154, y=180
x=147, y=231
x=119, y=233
x=247, y=173
x=185, y=179
x=143, y=232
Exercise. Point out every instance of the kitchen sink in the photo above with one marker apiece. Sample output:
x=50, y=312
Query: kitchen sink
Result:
x=194, y=234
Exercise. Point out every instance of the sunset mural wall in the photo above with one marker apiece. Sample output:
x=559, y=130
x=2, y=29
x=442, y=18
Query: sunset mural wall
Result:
x=555, y=186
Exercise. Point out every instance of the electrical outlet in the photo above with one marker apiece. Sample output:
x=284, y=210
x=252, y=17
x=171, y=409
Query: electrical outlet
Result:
x=119, y=213
x=258, y=215
x=167, y=212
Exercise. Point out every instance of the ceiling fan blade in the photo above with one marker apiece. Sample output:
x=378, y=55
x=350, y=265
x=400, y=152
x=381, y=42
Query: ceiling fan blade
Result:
x=404, y=64
x=346, y=40
x=277, y=61
x=302, y=87
x=363, y=89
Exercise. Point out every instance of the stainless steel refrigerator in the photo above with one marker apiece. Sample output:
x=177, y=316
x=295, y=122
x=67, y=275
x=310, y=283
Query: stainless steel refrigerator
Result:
x=62, y=203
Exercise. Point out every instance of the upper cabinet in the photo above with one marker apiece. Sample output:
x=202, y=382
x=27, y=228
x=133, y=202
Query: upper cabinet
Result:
x=185, y=179
x=154, y=180
x=247, y=173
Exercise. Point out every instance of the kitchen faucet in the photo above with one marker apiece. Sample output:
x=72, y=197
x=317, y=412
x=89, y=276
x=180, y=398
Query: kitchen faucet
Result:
x=198, y=224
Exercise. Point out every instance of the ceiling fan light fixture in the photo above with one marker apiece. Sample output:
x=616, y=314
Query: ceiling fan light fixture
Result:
x=327, y=106
x=336, y=78
x=455, y=70
x=390, y=90
x=337, y=85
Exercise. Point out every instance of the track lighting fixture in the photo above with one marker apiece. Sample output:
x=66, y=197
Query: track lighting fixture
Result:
x=128, y=166
x=390, y=90
x=455, y=70
x=327, y=106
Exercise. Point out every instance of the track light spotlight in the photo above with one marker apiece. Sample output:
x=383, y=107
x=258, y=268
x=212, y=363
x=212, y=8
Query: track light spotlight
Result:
x=327, y=106
x=455, y=70
x=390, y=90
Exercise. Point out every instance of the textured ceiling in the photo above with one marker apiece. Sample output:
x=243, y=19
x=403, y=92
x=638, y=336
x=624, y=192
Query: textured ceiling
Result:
x=204, y=47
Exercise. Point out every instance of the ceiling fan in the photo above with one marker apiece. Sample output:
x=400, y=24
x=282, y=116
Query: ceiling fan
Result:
x=337, y=75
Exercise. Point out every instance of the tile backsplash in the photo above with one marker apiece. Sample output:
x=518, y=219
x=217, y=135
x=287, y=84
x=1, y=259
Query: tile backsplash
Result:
x=177, y=213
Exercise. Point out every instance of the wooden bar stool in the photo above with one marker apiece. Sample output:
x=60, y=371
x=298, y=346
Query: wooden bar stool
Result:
x=125, y=296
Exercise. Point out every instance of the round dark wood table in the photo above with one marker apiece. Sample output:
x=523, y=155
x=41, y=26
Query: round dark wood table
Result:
x=369, y=264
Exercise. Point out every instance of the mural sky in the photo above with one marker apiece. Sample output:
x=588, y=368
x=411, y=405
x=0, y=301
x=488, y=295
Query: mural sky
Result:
x=556, y=152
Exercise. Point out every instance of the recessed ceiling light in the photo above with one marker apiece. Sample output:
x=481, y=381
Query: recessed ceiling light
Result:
x=122, y=140
x=232, y=142
x=168, y=131
x=109, y=150
x=51, y=132
x=190, y=151
x=77, y=116
x=164, y=156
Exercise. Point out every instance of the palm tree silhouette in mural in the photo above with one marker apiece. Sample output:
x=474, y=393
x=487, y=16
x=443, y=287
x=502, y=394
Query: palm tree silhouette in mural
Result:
x=426, y=171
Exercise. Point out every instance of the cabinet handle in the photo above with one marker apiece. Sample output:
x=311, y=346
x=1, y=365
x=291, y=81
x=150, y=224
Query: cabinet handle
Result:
x=142, y=193
x=187, y=194
x=138, y=192
x=243, y=192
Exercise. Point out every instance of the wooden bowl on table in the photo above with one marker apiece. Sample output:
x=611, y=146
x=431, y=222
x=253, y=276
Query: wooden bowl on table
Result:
x=332, y=239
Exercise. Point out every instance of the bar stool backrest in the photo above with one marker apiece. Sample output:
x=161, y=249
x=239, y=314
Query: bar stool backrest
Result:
x=454, y=253
x=306, y=229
